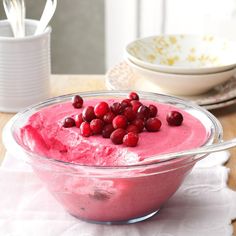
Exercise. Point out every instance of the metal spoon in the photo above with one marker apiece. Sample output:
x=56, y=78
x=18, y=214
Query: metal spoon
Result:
x=15, y=12
x=48, y=12
x=201, y=150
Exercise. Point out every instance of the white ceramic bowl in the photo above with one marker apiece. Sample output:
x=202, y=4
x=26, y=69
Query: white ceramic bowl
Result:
x=181, y=84
x=184, y=54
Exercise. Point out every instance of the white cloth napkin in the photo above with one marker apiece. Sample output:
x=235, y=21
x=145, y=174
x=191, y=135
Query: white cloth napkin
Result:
x=203, y=205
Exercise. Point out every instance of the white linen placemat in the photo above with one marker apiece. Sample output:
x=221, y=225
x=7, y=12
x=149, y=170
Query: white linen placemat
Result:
x=203, y=205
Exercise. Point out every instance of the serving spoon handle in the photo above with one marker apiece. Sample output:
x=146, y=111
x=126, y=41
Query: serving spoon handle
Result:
x=201, y=150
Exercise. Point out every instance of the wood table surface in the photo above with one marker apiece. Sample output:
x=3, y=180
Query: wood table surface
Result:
x=64, y=84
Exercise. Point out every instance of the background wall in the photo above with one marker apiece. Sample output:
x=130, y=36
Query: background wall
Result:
x=89, y=36
x=77, y=36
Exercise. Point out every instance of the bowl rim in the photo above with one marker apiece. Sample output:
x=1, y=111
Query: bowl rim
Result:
x=9, y=137
x=179, y=69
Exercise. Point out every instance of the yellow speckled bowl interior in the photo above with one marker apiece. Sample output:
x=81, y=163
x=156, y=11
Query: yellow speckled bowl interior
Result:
x=183, y=53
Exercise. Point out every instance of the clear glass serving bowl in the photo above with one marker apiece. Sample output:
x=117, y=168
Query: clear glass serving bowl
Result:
x=111, y=195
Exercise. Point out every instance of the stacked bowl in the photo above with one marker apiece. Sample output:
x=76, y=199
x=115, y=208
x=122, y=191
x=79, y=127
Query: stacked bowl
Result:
x=24, y=67
x=182, y=64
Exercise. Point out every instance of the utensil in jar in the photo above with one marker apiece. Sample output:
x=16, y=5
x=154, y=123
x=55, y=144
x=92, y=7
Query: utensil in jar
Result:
x=48, y=12
x=15, y=12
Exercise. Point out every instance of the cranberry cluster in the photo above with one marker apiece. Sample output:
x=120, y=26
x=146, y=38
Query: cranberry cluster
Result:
x=121, y=121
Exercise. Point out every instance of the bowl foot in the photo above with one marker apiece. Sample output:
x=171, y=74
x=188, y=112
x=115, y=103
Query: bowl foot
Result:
x=122, y=222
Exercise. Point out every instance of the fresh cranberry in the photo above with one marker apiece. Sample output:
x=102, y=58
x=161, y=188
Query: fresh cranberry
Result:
x=101, y=109
x=107, y=130
x=85, y=129
x=120, y=121
x=133, y=96
x=153, y=124
x=139, y=123
x=117, y=136
x=108, y=117
x=143, y=112
x=96, y=126
x=125, y=103
x=174, y=118
x=68, y=122
x=153, y=110
x=78, y=120
x=77, y=101
x=129, y=113
x=132, y=128
x=116, y=108
x=131, y=139
x=136, y=104
x=88, y=113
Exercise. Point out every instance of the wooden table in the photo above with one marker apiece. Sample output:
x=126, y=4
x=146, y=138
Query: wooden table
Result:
x=63, y=84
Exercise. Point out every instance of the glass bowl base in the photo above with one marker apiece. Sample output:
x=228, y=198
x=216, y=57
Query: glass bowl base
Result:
x=122, y=222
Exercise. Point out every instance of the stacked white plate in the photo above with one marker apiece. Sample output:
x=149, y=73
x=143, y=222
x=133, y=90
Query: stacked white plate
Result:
x=182, y=64
x=121, y=77
x=24, y=67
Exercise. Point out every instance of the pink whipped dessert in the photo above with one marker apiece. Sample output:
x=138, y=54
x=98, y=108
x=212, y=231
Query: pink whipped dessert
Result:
x=113, y=196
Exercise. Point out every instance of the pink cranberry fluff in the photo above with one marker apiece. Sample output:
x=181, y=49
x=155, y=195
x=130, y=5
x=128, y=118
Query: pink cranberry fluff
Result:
x=64, y=131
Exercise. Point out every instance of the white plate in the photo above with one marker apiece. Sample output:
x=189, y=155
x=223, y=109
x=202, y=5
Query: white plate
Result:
x=184, y=54
x=121, y=77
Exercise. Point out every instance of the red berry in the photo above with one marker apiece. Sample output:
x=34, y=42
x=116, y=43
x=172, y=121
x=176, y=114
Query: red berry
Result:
x=117, y=136
x=120, y=121
x=68, y=122
x=132, y=128
x=139, y=123
x=88, y=113
x=96, y=126
x=133, y=96
x=125, y=103
x=174, y=118
x=153, y=110
x=129, y=113
x=136, y=104
x=85, y=129
x=78, y=120
x=101, y=109
x=107, y=130
x=131, y=139
x=116, y=108
x=153, y=124
x=108, y=117
x=143, y=112
x=77, y=101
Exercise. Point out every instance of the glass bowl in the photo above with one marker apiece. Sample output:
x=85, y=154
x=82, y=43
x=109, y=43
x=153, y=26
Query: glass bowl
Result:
x=106, y=194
